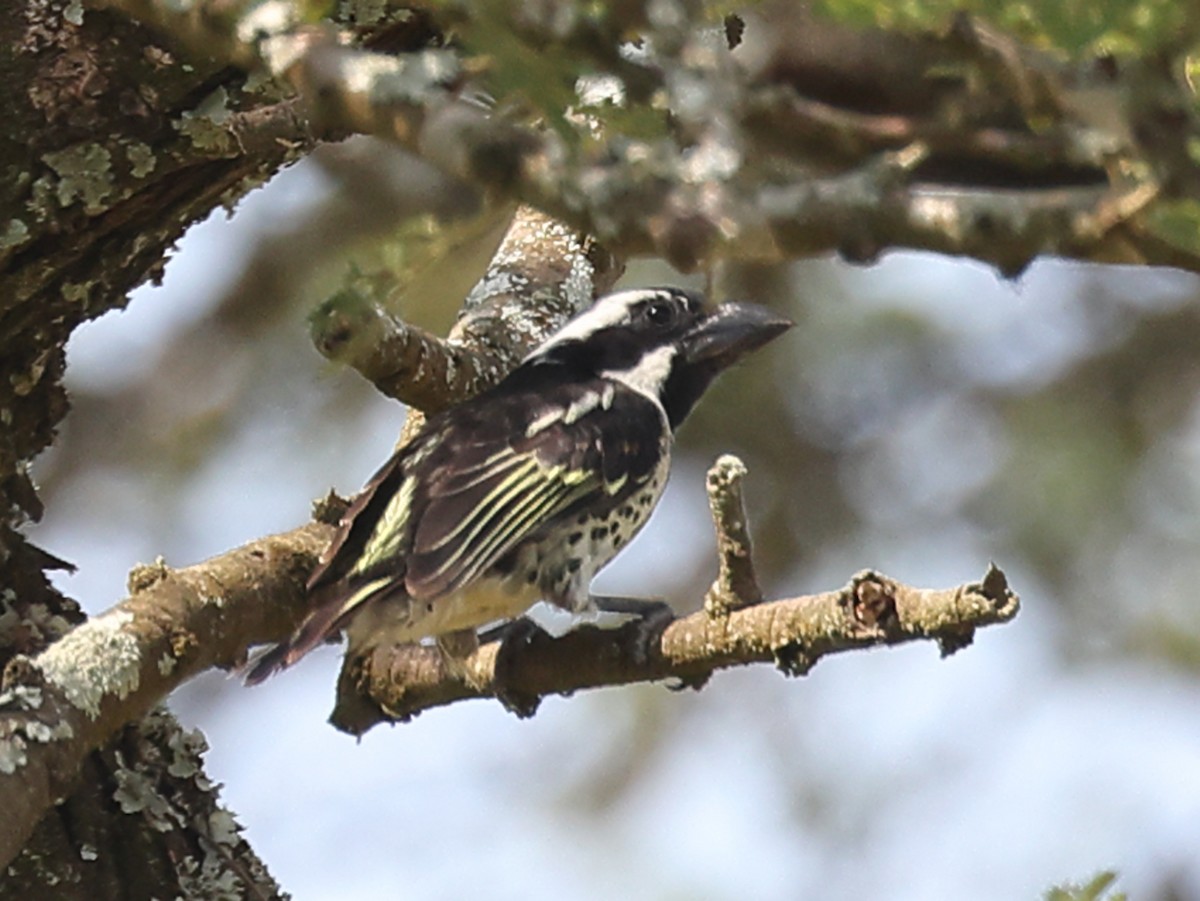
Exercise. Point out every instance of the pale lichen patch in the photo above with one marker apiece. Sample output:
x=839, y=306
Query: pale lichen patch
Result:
x=84, y=173
x=207, y=126
x=21, y=704
x=99, y=659
x=21, y=697
x=45, y=733
x=141, y=159
x=187, y=747
x=12, y=755
x=136, y=793
x=223, y=828
x=495, y=281
x=212, y=880
x=39, y=624
x=14, y=234
x=266, y=20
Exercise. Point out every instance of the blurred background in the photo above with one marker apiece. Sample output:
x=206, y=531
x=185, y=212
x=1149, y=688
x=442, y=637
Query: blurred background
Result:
x=925, y=418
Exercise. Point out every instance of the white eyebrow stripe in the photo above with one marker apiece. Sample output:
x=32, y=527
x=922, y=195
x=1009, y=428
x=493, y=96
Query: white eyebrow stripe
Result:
x=609, y=311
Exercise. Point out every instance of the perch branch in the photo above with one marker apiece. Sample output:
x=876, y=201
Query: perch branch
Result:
x=793, y=634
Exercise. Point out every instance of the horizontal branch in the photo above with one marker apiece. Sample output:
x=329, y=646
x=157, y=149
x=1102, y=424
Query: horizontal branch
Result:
x=793, y=634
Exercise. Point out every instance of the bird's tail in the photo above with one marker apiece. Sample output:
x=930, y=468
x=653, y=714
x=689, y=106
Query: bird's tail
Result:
x=266, y=663
x=322, y=625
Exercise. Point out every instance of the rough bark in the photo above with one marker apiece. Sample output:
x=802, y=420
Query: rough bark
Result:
x=110, y=149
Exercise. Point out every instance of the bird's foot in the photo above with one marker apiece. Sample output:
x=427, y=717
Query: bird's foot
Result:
x=514, y=636
x=652, y=616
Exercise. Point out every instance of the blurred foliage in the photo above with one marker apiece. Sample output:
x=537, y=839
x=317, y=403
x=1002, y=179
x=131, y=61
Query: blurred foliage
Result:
x=543, y=80
x=1095, y=889
x=1070, y=26
x=1177, y=222
x=423, y=268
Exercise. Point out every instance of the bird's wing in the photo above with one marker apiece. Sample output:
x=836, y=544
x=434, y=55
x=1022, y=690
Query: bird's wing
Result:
x=364, y=517
x=565, y=452
x=335, y=599
x=482, y=478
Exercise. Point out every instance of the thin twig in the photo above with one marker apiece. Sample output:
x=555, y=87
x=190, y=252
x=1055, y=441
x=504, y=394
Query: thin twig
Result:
x=736, y=585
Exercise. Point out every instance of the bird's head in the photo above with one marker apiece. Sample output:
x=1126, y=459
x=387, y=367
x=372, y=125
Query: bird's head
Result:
x=666, y=343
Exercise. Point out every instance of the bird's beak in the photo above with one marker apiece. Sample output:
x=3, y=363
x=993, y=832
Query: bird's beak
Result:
x=730, y=332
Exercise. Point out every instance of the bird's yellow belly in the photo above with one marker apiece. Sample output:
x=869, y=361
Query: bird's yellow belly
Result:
x=482, y=602
x=478, y=604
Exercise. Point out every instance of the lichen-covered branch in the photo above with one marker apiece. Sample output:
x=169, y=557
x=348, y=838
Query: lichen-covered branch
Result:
x=65, y=702
x=793, y=633
x=143, y=817
x=402, y=360
x=542, y=274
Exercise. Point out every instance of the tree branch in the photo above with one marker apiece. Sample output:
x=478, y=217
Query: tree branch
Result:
x=403, y=361
x=733, y=628
x=736, y=585
x=68, y=700
x=739, y=173
x=542, y=274
x=793, y=634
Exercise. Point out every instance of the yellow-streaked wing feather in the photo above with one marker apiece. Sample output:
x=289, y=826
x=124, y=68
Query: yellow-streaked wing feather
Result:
x=462, y=532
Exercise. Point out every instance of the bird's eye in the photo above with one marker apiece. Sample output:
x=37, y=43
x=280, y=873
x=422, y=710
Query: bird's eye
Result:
x=661, y=312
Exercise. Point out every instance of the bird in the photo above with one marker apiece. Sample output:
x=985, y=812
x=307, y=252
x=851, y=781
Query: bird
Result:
x=527, y=490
